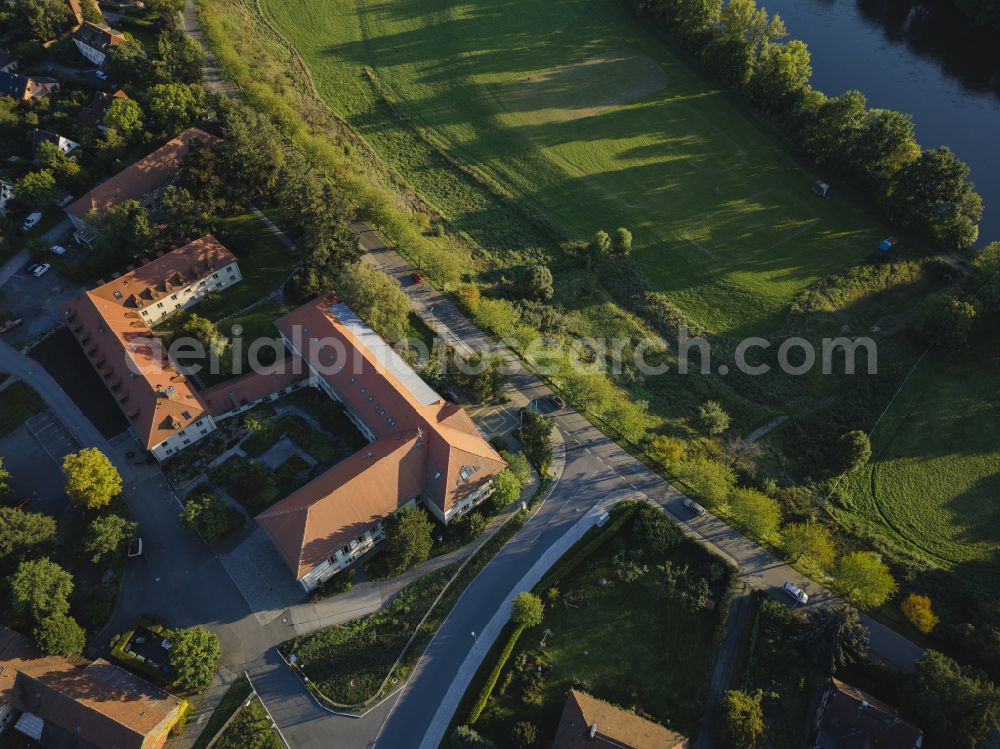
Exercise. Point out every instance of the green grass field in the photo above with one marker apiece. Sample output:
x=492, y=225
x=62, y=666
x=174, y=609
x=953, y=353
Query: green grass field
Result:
x=589, y=121
x=935, y=476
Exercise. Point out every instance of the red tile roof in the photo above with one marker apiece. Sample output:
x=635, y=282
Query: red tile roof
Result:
x=611, y=726
x=158, y=400
x=99, y=702
x=448, y=458
x=252, y=386
x=142, y=177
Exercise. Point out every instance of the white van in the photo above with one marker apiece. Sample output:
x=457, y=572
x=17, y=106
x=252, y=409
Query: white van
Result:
x=797, y=593
x=32, y=220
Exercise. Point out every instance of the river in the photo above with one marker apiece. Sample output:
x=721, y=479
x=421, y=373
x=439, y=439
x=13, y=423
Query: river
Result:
x=922, y=61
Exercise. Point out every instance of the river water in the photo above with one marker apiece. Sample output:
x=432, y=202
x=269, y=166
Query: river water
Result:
x=917, y=59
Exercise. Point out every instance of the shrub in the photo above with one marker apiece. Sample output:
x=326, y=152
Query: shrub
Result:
x=466, y=737
x=194, y=658
x=527, y=609
x=713, y=418
x=710, y=480
x=918, y=610
x=408, y=539
x=59, y=634
x=506, y=488
x=653, y=532
x=524, y=734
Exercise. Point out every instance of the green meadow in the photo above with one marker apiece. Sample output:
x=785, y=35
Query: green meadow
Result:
x=586, y=120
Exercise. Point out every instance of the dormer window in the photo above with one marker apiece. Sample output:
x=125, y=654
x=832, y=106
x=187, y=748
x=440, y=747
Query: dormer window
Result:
x=118, y=295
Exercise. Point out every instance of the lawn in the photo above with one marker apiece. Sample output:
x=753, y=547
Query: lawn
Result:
x=935, y=475
x=264, y=262
x=658, y=657
x=588, y=121
x=18, y=403
x=234, y=697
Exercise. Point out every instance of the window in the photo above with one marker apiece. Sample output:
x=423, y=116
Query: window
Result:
x=232, y=270
x=187, y=442
x=204, y=432
x=215, y=275
x=345, y=551
x=169, y=450
x=186, y=414
x=118, y=295
x=158, y=305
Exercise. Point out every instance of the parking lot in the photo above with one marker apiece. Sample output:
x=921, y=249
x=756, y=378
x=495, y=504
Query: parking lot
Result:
x=37, y=300
x=28, y=453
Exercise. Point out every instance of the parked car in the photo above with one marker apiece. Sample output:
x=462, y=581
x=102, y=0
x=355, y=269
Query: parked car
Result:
x=696, y=508
x=57, y=249
x=795, y=592
x=32, y=268
x=135, y=547
x=10, y=324
x=101, y=74
x=20, y=503
x=41, y=270
x=557, y=401
x=32, y=220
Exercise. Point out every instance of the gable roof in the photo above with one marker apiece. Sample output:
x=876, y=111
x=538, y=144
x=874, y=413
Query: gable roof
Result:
x=144, y=176
x=611, y=727
x=99, y=36
x=448, y=460
x=97, y=701
x=854, y=718
x=65, y=145
x=26, y=86
x=239, y=391
x=345, y=501
x=158, y=400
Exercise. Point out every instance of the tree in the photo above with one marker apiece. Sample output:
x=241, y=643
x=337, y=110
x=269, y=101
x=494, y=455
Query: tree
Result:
x=853, y=450
x=743, y=719
x=253, y=152
x=780, y=75
x=4, y=480
x=755, y=512
x=91, y=479
x=527, y=610
x=165, y=7
x=469, y=295
x=204, y=331
x=91, y=11
x=59, y=634
x=127, y=62
x=810, y=541
x=865, y=579
x=832, y=126
x=946, y=320
x=182, y=216
x=43, y=19
x=125, y=116
x=959, y=706
x=194, y=658
x=665, y=450
x=932, y=194
x=483, y=375
x=175, y=106
x=689, y=20
x=710, y=480
x=121, y=234
x=506, y=488
x=208, y=516
x=40, y=588
x=917, y=609
x=524, y=734
x=599, y=247
x=536, y=437
x=37, y=189
x=653, y=533
x=408, y=538
x=376, y=298
x=713, y=418
x=63, y=167
x=885, y=143
x=466, y=737
x=835, y=637
x=539, y=285
x=621, y=242
x=106, y=535
x=180, y=58
x=24, y=534
x=517, y=463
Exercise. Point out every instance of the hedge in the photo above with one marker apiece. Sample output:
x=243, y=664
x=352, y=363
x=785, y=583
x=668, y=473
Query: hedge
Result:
x=569, y=563
x=491, y=682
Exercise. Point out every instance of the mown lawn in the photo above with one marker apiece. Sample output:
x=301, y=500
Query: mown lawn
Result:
x=935, y=475
x=590, y=121
x=18, y=403
x=656, y=657
x=264, y=262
